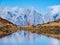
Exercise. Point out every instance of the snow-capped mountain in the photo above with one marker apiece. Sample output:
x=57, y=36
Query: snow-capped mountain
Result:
x=55, y=13
x=22, y=17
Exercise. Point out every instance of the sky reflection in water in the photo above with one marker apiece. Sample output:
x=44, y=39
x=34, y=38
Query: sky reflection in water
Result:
x=25, y=38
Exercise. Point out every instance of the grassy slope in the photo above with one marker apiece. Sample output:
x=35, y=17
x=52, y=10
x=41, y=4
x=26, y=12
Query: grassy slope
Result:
x=50, y=29
x=7, y=27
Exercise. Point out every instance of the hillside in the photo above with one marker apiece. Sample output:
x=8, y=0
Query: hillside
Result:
x=51, y=29
x=7, y=27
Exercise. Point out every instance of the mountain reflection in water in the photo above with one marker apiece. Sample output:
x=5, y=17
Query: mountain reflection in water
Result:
x=25, y=38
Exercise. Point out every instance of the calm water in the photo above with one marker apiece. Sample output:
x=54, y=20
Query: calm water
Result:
x=25, y=38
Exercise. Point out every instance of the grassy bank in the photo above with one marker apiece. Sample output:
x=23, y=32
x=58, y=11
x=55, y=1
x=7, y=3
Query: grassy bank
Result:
x=51, y=29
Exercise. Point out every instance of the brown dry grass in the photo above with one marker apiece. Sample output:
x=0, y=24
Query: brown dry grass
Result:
x=49, y=29
x=7, y=28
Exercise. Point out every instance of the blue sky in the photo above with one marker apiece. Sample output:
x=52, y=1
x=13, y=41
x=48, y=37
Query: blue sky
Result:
x=41, y=5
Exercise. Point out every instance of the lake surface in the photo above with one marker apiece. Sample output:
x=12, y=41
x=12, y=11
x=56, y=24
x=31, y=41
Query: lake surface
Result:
x=25, y=38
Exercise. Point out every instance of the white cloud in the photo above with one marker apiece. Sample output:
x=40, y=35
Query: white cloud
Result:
x=55, y=9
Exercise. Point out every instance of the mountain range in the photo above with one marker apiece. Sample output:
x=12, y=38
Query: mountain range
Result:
x=22, y=16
